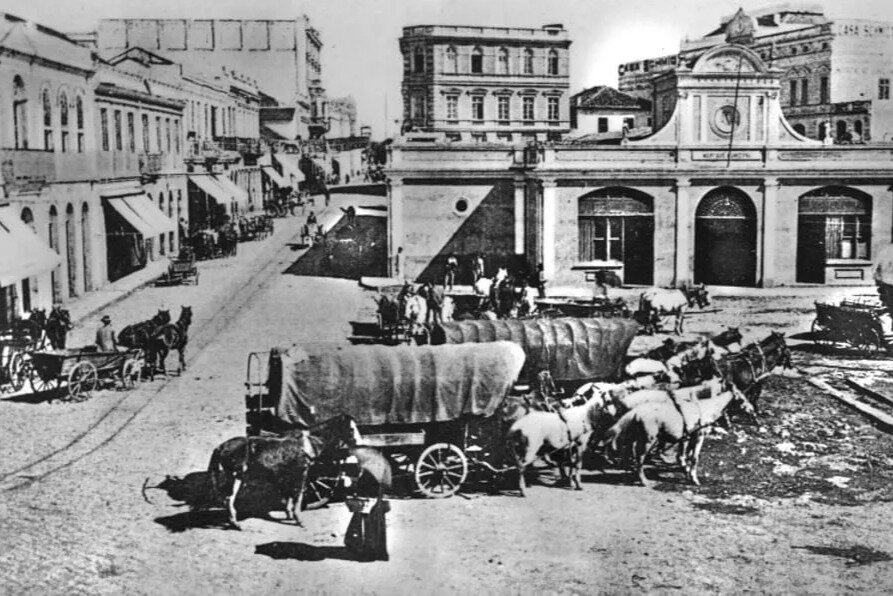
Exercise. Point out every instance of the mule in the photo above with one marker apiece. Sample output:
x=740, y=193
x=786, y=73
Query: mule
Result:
x=747, y=368
x=655, y=303
x=58, y=325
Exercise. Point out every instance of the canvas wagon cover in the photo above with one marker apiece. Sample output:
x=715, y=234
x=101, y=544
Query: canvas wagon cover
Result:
x=394, y=385
x=570, y=348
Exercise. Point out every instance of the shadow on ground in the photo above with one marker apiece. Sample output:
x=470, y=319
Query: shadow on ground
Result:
x=349, y=251
x=300, y=551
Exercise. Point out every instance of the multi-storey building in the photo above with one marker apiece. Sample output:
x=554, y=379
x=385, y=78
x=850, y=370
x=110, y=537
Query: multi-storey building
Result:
x=724, y=192
x=107, y=163
x=835, y=77
x=486, y=83
x=283, y=55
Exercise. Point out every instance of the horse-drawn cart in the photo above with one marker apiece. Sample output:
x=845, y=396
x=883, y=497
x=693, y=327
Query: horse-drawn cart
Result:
x=575, y=307
x=181, y=270
x=84, y=369
x=858, y=322
x=434, y=411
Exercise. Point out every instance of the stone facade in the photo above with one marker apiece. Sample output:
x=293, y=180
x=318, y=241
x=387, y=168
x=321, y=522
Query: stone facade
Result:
x=725, y=192
x=449, y=84
x=835, y=75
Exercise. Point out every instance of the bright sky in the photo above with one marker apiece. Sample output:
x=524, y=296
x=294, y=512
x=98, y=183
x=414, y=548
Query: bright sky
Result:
x=361, y=56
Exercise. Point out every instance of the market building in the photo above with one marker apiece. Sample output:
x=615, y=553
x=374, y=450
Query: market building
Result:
x=725, y=192
x=486, y=84
x=835, y=74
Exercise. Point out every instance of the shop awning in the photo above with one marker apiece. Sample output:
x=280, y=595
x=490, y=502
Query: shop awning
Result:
x=210, y=186
x=235, y=192
x=289, y=163
x=276, y=177
x=142, y=214
x=22, y=253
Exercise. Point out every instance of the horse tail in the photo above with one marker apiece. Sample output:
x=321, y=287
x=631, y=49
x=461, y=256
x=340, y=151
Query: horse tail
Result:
x=213, y=471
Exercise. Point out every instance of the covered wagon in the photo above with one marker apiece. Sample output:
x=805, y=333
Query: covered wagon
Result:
x=430, y=409
x=573, y=350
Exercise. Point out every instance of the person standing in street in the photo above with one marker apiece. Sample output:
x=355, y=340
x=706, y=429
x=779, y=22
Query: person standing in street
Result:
x=434, y=301
x=106, y=341
x=452, y=267
x=540, y=281
x=477, y=268
x=400, y=264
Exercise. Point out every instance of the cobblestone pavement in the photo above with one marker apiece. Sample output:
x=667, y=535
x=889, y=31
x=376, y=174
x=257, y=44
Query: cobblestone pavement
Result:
x=77, y=523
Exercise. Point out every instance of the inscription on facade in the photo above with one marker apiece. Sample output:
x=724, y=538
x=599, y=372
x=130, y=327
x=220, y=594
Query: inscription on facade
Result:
x=726, y=155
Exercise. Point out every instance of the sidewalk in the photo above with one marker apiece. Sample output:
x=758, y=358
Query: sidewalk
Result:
x=87, y=308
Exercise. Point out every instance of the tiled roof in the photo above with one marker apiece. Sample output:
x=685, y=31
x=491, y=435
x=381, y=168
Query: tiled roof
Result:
x=604, y=97
x=30, y=39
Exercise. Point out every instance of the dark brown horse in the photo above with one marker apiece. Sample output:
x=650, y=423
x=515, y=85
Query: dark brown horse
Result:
x=58, y=325
x=140, y=334
x=173, y=336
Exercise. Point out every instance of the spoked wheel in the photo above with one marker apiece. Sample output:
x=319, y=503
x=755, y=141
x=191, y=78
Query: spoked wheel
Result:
x=39, y=384
x=871, y=342
x=82, y=380
x=322, y=482
x=17, y=372
x=441, y=470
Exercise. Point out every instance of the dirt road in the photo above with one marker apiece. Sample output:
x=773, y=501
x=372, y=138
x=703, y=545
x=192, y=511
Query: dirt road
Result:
x=85, y=528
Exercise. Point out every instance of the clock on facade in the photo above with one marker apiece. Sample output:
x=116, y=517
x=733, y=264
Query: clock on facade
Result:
x=725, y=119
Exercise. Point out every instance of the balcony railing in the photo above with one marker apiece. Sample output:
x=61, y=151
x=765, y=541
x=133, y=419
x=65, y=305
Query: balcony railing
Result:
x=244, y=145
x=29, y=169
x=208, y=153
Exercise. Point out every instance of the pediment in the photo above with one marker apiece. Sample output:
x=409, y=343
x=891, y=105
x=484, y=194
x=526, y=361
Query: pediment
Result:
x=729, y=59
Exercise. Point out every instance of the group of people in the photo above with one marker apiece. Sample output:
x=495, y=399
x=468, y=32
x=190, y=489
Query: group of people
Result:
x=433, y=296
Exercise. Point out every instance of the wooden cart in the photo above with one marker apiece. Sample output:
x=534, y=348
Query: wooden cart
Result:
x=855, y=322
x=83, y=370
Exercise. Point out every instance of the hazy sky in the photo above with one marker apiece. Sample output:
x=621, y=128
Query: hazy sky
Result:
x=361, y=56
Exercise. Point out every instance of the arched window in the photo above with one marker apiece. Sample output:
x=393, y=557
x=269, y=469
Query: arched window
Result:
x=63, y=121
x=20, y=113
x=477, y=61
x=502, y=62
x=47, y=120
x=451, y=66
x=79, y=121
x=834, y=223
x=528, y=61
x=418, y=60
x=553, y=62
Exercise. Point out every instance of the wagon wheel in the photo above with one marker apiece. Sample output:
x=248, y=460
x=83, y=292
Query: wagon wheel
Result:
x=322, y=482
x=402, y=471
x=39, y=384
x=820, y=334
x=870, y=342
x=17, y=372
x=82, y=380
x=131, y=373
x=441, y=470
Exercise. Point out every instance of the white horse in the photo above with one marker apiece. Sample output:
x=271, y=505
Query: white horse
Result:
x=448, y=309
x=653, y=426
x=415, y=313
x=540, y=433
x=485, y=284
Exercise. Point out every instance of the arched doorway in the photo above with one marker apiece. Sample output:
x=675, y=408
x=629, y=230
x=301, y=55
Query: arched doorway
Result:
x=616, y=226
x=71, y=251
x=841, y=130
x=85, y=246
x=833, y=227
x=53, y=238
x=726, y=239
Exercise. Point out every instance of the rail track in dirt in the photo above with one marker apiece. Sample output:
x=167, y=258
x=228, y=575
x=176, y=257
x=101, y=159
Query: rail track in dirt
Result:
x=120, y=414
